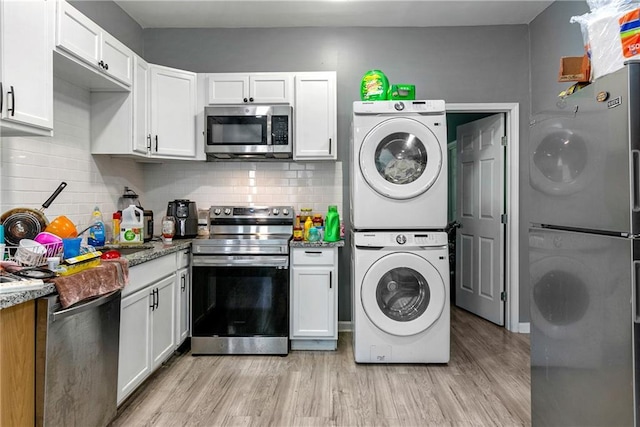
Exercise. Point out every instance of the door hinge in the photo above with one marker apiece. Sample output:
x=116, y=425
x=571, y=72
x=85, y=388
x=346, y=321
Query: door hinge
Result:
x=503, y=296
x=503, y=140
x=504, y=218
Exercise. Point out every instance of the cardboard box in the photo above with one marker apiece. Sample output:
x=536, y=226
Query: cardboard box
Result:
x=574, y=69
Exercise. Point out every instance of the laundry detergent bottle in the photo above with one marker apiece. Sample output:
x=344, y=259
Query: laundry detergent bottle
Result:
x=332, y=225
x=131, y=225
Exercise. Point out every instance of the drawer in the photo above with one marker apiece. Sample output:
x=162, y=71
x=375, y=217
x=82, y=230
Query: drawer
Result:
x=144, y=274
x=313, y=256
x=183, y=258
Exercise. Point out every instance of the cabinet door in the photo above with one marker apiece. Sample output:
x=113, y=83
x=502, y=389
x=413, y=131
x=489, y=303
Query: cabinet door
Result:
x=134, y=359
x=315, y=116
x=77, y=34
x=313, y=303
x=141, y=133
x=183, y=291
x=117, y=59
x=163, y=321
x=26, y=65
x=173, y=118
x=270, y=88
x=227, y=88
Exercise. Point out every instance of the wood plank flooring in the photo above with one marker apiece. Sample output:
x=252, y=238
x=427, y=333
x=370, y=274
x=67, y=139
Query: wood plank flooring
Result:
x=486, y=383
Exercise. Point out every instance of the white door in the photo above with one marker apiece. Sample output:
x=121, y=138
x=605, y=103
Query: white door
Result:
x=400, y=158
x=480, y=204
x=270, y=88
x=141, y=100
x=163, y=321
x=313, y=302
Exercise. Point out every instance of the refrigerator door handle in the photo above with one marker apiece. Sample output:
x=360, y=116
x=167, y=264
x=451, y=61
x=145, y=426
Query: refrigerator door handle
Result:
x=635, y=293
x=635, y=180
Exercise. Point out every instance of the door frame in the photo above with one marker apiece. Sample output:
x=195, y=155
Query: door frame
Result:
x=512, y=185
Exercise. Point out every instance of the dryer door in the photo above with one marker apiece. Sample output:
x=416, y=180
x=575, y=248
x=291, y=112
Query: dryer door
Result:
x=400, y=158
x=403, y=294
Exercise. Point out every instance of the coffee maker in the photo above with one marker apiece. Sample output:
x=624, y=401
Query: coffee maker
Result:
x=186, y=215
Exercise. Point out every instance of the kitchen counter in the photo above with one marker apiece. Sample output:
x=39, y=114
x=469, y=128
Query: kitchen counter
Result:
x=152, y=250
x=303, y=244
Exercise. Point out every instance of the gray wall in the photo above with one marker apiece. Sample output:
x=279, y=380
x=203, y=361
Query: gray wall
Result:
x=474, y=64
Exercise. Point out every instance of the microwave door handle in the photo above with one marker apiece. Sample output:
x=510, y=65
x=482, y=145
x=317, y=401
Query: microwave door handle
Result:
x=269, y=128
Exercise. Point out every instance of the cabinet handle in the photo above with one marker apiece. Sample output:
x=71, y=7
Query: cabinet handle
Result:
x=183, y=279
x=153, y=301
x=250, y=99
x=149, y=142
x=157, y=298
x=329, y=145
x=13, y=101
x=330, y=279
x=313, y=252
x=101, y=64
x=245, y=100
x=156, y=143
x=106, y=66
x=1, y=97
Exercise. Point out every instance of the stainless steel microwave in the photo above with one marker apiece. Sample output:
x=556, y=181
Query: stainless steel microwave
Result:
x=252, y=132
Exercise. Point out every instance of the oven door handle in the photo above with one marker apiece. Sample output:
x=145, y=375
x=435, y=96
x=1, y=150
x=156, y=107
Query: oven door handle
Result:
x=241, y=261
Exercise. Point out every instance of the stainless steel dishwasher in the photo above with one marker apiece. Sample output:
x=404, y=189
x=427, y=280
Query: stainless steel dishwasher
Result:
x=77, y=361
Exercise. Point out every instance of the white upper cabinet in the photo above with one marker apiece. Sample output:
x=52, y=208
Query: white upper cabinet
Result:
x=26, y=81
x=315, y=116
x=141, y=99
x=258, y=88
x=173, y=112
x=83, y=39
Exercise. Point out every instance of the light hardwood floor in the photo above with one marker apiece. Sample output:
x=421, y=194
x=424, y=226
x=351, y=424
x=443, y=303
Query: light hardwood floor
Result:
x=486, y=383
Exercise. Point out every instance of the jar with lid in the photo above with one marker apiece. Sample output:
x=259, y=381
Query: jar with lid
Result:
x=304, y=214
x=317, y=220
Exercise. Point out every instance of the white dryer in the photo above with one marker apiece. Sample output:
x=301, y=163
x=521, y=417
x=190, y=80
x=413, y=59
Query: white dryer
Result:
x=400, y=297
x=399, y=165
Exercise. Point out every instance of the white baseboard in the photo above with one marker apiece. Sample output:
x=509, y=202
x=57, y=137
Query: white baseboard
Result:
x=524, y=328
x=345, y=326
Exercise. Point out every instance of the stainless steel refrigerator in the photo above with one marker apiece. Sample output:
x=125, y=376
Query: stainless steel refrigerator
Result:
x=584, y=252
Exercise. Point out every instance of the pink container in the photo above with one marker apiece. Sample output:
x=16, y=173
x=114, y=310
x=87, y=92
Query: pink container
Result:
x=50, y=241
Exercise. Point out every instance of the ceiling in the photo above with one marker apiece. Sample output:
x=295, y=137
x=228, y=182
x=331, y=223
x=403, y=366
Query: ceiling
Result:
x=329, y=13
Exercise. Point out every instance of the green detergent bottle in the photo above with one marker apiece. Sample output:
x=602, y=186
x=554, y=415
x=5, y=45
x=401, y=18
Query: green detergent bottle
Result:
x=332, y=225
x=374, y=86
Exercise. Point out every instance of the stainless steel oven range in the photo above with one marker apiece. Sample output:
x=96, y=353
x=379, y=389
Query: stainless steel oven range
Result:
x=240, y=285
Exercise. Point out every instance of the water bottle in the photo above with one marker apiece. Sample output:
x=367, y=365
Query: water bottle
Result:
x=332, y=225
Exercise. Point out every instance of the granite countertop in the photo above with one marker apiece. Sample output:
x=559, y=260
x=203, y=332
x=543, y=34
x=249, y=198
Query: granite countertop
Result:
x=303, y=244
x=151, y=251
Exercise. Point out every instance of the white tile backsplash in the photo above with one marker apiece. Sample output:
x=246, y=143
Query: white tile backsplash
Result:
x=32, y=168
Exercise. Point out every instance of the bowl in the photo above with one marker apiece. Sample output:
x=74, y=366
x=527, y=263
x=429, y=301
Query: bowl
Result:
x=62, y=227
x=50, y=241
x=31, y=253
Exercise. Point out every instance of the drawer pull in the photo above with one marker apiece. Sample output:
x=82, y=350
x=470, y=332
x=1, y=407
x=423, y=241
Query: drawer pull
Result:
x=313, y=252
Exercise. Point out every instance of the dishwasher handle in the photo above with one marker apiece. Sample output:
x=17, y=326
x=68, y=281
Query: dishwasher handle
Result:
x=105, y=299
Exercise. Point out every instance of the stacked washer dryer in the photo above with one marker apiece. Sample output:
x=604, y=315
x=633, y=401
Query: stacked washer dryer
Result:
x=399, y=264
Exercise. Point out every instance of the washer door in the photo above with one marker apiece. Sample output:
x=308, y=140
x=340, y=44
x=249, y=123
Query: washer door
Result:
x=403, y=294
x=400, y=158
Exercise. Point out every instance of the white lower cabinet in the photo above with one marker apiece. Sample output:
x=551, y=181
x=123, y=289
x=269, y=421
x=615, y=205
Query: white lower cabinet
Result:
x=147, y=322
x=314, y=298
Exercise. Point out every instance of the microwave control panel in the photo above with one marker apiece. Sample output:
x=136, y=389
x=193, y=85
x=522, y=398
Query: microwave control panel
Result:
x=280, y=130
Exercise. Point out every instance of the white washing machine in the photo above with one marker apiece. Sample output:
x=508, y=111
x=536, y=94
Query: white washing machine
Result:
x=399, y=165
x=400, y=297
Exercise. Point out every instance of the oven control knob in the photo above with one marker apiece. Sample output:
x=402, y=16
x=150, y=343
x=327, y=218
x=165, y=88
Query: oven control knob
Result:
x=401, y=239
x=275, y=211
x=227, y=211
x=285, y=212
x=217, y=211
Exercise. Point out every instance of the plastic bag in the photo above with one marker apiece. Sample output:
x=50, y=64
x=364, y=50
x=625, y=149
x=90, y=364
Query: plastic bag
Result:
x=611, y=32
